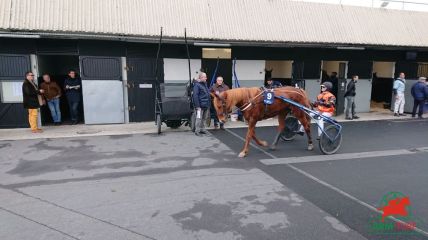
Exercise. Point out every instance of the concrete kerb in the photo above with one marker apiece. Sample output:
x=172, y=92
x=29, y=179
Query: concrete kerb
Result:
x=67, y=131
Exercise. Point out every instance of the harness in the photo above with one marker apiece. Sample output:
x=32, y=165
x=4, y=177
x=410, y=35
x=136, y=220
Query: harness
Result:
x=251, y=102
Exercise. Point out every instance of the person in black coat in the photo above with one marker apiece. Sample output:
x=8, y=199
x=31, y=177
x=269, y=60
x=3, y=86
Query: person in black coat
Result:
x=73, y=86
x=32, y=100
x=350, y=98
x=201, y=103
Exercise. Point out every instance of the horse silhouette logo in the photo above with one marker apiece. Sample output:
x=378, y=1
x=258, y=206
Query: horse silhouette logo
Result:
x=396, y=217
x=395, y=207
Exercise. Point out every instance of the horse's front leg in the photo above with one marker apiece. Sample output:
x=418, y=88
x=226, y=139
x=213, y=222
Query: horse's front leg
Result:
x=281, y=126
x=250, y=133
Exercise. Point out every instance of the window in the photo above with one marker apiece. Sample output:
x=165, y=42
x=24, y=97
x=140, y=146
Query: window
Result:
x=423, y=70
x=11, y=91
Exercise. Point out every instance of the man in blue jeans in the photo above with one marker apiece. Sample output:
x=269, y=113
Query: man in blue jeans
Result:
x=52, y=93
x=73, y=85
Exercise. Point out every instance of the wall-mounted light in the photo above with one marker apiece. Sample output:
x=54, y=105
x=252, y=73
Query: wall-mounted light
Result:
x=13, y=35
x=351, y=48
x=210, y=44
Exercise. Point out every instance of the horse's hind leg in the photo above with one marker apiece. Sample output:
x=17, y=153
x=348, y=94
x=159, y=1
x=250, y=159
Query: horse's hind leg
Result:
x=281, y=126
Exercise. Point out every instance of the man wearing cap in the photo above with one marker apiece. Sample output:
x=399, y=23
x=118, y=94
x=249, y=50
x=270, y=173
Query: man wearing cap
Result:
x=325, y=104
x=419, y=93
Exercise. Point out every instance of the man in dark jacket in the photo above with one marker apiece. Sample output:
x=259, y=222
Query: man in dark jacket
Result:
x=350, y=98
x=52, y=95
x=32, y=97
x=73, y=86
x=201, y=102
x=218, y=87
x=271, y=84
x=420, y=94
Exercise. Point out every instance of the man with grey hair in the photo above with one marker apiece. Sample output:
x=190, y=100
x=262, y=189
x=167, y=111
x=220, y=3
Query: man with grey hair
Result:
x=420, y=94
x=201, y=102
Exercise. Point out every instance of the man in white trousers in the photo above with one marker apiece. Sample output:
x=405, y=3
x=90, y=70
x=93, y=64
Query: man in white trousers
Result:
x=399, y=88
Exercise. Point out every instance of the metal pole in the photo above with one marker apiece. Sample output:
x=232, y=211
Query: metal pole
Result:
x=188, y=56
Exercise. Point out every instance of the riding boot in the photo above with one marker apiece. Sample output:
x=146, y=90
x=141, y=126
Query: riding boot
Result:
x=275, y=141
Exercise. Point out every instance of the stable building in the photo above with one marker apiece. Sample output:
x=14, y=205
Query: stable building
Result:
x=112, y=45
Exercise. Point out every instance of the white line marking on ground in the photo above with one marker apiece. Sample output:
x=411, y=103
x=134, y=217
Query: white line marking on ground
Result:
x=342, y=156
x=341, y=192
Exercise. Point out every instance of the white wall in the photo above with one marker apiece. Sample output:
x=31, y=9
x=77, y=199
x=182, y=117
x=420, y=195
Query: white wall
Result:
x=177, y=70
x=250, y=72
x=281, y=69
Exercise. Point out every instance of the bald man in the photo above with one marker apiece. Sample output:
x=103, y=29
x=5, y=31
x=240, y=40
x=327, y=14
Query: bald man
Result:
x=201, y=102
x=218, y=88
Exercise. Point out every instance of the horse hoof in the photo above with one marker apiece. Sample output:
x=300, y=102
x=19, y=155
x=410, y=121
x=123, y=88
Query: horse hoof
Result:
x=310, y=147
x=264, y=143
x=242, y=154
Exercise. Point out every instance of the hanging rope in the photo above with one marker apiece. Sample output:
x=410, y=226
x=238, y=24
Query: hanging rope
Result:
x=235, y=77
x=213, y=77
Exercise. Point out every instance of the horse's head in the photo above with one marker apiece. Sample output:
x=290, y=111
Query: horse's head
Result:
x=268, y=74
x=221, y=105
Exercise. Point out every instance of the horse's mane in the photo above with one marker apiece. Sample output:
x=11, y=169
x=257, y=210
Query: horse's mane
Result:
x=238, y=94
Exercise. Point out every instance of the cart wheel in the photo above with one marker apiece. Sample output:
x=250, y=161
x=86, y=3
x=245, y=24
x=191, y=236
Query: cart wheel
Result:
x=192, y=122
x=291, y=127
x=159, y=122
x=328, y=146
x=173, y=123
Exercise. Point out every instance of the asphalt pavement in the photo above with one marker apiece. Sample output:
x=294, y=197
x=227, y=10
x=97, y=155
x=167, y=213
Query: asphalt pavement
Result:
x=179, y=186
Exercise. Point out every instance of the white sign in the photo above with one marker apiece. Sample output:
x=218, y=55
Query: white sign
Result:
x=11, y=91
x=145, y=85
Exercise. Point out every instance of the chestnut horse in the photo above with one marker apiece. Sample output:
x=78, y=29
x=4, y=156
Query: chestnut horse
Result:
x=250, y=102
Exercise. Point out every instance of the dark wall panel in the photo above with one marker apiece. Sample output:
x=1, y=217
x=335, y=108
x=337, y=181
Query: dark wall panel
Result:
x=409, y=68
x=100, y=68
x=57, y=47
x=312, y=69
x=13, y=67
x=361, y=68
x=101, y=48
x=17, y=46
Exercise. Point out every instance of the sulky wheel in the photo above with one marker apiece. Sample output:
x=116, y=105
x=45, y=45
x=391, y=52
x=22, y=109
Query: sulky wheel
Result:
x=331, y=143
x=159, y=122
x=291, y=128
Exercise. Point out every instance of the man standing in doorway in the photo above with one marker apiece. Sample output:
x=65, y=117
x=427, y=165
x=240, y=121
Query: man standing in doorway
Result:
x=73, y=85
x=420, y=94
x=350, y=98
x=201, y=102
x=52, y=95
x=218, y=88
x=398, y=88
x=335, y=81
